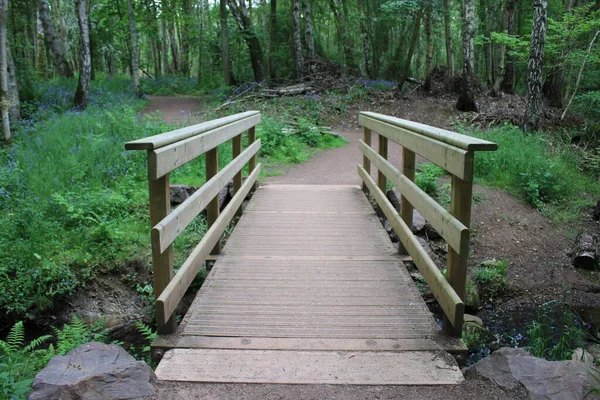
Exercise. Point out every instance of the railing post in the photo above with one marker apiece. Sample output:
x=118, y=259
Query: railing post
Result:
x=366, y=161
x=212, y=210
x=383, y=152
x=406, y=209
x=162, y=263
x=252, y=162
x=237, y=150
x=460, y=207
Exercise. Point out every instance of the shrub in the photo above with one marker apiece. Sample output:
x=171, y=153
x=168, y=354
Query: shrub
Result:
x=491, y=278
x=426, y=178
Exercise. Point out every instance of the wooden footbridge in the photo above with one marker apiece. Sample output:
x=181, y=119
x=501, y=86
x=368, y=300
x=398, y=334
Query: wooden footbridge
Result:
x=309, y=288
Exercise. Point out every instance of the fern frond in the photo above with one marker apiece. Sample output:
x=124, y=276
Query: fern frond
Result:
x=36, y=343
x=16, y=338
x=146, y=331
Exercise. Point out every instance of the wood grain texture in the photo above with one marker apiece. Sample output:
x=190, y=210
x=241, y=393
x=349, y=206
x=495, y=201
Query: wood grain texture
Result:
x=448, y=226
x=449, y=301
x=452, y=138
x=455, y=160
x=309, y=262
x=167, y=138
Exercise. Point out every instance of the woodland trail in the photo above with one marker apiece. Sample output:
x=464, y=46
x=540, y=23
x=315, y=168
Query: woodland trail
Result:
x=173, y=109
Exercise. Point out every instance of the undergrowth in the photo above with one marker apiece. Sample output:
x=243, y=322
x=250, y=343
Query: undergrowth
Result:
x=20, y=361
x=540, y=167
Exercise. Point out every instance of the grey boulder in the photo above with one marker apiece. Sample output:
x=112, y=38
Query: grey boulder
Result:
x=553, y=380
x=93, y=371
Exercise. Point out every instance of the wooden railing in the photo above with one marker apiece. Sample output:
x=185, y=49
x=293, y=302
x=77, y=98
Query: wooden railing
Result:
x=170, y=150
x=454, y=153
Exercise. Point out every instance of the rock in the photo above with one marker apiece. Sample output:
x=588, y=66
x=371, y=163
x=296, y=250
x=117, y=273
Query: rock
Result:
x=473, y=319
x=428, y=250
x=476, y=337
x=418, y=222
x=597, y=210
x=393, y=235
x=93, y=371
x=224, y=197
x=594, y=350
x=582, y=355
x=431, y=232
x=180, y=193
x=472, y=299
x=393, y=196
x=552, y=380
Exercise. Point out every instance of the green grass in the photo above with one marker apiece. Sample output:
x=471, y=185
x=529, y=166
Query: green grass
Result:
x=74, y=203
x=541, y=168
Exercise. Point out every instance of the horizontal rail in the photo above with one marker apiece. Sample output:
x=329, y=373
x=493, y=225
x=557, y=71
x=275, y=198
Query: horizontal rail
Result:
x=450, y=228
x=457, y=161
x=167, y=138
x=167, y=158
x=452, y=138
x=175, y=290
x=167, y=230
x=443, y=292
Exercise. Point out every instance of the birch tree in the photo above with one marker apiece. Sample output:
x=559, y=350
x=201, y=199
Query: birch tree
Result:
x=53, y=43
x=466, y=97
x=535, y=66
x=134, y=50
x=85, y=62
x=4, y=73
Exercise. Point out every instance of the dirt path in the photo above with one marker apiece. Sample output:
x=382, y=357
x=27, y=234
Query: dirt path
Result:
x=173, y=109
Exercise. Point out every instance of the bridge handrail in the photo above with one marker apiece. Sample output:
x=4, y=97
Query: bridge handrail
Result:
x=454, y=153
x=170, y=150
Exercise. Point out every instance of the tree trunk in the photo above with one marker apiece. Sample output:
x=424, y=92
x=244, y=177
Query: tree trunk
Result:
x=344, y=37
x=185, y=41
x=85, y=63
x=52, y=42
x=64, y=34
x=225, y=61
x=13, y=90
x=134, y=50
x=428, y=48
x=240, y=13
x=272, y=38
x=309, y=37
x=535, y=67
x=500, y=75
x=174, y=49
x=466, y=97
x=411, y=49
x=509, y=68
x=297, y=40
x=449, y=51
x=165, y=45
x=4, y=72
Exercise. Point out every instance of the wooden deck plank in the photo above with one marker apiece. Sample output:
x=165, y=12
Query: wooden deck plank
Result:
x=338, y=277
x=309, y=367
x=309, y=272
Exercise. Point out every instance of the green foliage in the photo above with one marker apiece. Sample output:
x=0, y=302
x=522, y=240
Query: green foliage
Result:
x=20, y=362
x=149, y=335
x=170, y=86
x=426, y=178
x=555, y=337
x=542, y=168
x=490, y=278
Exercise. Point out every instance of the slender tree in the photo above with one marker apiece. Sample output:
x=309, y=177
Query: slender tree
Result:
x=134, y=50
x=85, y=62
x=4, y=72
x=164, y=44
x=53, y=43
x=13, y=91
x=272, y=38
x=411, y=49
x=509, y=66
x=297, y=40
x=242, y=17
x=535, y=66
x=225, y=60
x=449, y=51
x=309, y=36
x=428, y=47
x=466, y=97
